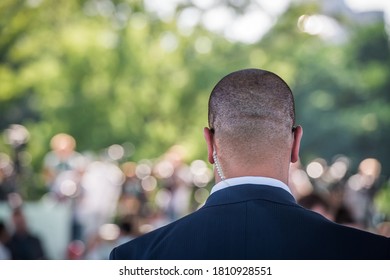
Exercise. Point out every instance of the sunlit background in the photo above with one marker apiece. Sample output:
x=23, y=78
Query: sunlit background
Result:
x=102, y=106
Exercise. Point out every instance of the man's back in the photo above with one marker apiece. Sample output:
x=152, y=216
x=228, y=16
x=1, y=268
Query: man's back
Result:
x=255, y=222
x=252, y=139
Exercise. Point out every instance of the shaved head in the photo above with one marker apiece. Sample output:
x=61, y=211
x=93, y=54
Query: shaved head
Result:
x=251, y=113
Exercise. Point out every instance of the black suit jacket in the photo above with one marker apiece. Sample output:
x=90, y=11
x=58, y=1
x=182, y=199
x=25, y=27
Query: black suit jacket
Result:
x=254, y=222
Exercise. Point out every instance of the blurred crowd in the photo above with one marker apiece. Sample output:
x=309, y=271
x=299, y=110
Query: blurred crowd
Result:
x=112, y=200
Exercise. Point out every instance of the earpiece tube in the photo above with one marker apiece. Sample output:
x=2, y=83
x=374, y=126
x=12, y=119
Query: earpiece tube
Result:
x=218, y=166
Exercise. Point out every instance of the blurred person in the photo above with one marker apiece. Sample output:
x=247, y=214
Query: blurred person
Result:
x=102, y=185
x=97, y=248
x=317, y=203
x=62, y=164
x=343, y=215
x=128, y=229
x=4, y=237
x=132, y=200
x=63, y=168
x=75, y=250
x=100, y=246
x=177, y=186
x=7, y=176
x=23, y=244
x=360, y=191
x=384, y=228
x=251, y=214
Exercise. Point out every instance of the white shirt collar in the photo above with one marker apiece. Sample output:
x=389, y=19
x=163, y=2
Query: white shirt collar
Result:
x=250, y=180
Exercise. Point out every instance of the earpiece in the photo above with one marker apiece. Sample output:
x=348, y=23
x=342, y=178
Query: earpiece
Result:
x=218, y=166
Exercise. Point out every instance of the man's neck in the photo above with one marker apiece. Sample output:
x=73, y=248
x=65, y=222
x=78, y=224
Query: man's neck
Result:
x=258, y=171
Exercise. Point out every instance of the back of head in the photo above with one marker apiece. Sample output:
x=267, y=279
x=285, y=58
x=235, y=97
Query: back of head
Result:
x=252, y=113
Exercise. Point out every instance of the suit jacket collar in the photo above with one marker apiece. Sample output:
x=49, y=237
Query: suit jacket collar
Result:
x=247, y=192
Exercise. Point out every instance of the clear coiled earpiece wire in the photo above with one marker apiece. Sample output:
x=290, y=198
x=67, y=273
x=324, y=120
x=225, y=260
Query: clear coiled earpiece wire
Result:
x=218, y=166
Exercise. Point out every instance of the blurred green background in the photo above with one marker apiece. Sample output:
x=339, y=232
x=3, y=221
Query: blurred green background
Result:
x=139, y=74
x=110, y=72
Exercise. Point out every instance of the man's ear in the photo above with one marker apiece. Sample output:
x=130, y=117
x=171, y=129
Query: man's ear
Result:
x=209, y=137
x=298, y=132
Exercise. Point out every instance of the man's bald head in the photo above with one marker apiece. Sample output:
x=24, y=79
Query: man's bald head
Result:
x=251, y=112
